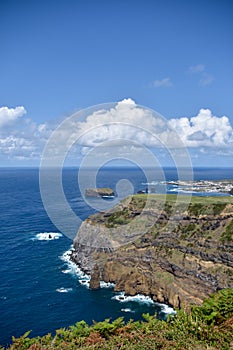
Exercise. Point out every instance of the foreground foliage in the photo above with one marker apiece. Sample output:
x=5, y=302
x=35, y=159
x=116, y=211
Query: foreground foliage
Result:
x=209, y=326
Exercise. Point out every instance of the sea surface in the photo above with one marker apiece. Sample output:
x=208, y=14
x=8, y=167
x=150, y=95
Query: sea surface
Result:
x=39, y=290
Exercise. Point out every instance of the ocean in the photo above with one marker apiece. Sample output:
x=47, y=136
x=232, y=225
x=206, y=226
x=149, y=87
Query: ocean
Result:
x=39, y=290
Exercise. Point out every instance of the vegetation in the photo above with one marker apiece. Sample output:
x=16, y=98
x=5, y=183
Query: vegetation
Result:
x=118, y=218
x=227, y=235
x=209, y=326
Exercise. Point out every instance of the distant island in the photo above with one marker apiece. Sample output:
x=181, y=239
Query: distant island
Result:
x=99, y=192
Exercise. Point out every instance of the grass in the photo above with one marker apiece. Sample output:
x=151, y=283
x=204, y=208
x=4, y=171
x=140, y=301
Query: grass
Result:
x=227, y=235
x=184, y=198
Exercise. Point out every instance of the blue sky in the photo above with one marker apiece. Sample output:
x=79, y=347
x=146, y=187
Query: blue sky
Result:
x=57, y=57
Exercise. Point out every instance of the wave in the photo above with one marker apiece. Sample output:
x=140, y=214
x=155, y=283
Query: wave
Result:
x=127, y=310
x=64, y=290
x=139, y=298
x=142, y=299
x=66, y=271
x=167, y=309
x=106, y=284
x=150, y=183
x=47, y=236
x=73, y=269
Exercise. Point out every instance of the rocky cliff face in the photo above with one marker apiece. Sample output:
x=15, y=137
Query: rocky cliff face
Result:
x=174, y=252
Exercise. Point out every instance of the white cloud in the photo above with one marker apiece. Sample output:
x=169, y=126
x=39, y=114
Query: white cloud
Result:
x=9, y=115
x=165, y=82
x=206, y=79
x=205, y=129
x=196, y=69
x=15, y=147
x=21, y=138
x=126, y=121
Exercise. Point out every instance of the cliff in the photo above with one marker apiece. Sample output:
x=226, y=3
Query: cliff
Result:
x=175, y=252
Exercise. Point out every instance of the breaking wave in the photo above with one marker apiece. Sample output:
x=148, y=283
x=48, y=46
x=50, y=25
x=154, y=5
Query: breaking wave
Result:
x=47, y=236
x=64, y=290
x=83, y=278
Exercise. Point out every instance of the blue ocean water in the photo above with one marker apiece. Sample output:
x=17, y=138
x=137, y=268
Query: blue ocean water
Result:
x=36, y=293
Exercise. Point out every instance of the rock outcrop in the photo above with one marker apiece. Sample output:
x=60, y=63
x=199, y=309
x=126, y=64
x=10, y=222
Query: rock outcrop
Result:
x=99, y=192
x=175, y=252
x=95, y=278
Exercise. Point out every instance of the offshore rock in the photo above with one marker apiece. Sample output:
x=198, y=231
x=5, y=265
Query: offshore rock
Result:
x=177, y=255
x=95, y=278
x=99, y=192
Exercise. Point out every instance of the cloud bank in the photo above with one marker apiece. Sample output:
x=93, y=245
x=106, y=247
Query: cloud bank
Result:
x=23, y=139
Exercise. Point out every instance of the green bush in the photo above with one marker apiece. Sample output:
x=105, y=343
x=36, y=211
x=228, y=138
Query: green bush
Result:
x=208, y=326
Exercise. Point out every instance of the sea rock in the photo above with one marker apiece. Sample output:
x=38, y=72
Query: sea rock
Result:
x=95, y=278
x=99, y=192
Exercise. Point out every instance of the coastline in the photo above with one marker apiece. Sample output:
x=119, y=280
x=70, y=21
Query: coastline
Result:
x=84, y=280
x=177, y=255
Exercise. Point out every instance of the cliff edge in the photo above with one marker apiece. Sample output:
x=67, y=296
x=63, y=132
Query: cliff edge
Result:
x=176, y=252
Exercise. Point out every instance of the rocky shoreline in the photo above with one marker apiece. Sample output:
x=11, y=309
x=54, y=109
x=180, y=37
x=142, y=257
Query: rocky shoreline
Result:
x=223, y=186
x=179, y=259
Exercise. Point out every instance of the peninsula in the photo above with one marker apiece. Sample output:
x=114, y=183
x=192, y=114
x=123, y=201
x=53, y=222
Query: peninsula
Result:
x=175, y=252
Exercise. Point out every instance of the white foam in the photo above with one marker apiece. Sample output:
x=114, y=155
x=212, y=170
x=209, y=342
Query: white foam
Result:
x=48, y=236
x=139, y=298
x=73, y=269
x=85, y=283
x=167, y=309
x=150, y=183
x=83, y=278
x=66, y=271
x=106, y=284
x=64, y=290
x=127, y=310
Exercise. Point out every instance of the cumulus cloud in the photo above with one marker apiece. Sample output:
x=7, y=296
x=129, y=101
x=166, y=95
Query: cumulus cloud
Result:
x=20, y=137
x=9, y=115
x=124, y=123
x=165, y=82
x=205, y=129
x=131, y=122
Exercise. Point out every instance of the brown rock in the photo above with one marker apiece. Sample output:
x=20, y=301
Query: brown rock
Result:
x=95, y=278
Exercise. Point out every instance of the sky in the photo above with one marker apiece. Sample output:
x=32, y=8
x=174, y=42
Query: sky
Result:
x=171, y=56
